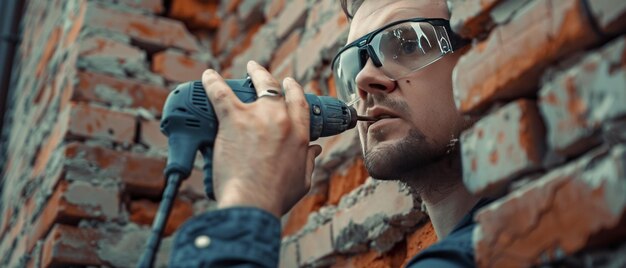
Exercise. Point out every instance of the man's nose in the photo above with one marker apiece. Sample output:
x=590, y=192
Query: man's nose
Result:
x=371, y=80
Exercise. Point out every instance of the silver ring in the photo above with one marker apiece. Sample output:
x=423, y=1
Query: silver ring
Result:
x=269, y=93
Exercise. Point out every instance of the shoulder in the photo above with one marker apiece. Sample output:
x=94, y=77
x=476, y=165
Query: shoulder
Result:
x=456, y=250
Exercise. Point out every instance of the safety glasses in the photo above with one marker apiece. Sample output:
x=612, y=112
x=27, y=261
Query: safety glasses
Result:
x=397, y=49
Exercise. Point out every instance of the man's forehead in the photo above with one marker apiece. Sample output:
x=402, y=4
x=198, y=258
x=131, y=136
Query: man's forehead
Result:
x=372, y=14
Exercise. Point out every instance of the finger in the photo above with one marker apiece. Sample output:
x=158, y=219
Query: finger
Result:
x=261, y=78
x=297, y=106
x=220, y=94
x=313, y=152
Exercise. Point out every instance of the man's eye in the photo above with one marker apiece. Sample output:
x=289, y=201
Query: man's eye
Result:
x=408, y=47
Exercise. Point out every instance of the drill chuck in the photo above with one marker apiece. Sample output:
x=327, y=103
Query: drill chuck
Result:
x=191, y=125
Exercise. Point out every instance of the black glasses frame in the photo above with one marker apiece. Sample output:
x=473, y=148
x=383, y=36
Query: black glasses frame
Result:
x=363, y=43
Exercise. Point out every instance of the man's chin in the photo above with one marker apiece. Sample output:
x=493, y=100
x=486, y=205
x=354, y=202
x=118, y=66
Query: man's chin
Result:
x=395, y=159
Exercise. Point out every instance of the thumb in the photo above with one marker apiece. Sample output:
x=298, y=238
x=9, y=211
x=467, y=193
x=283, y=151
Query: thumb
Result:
x=313, y=152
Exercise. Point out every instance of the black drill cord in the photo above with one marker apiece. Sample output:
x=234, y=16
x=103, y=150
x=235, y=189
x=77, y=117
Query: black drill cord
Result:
x=152, y=247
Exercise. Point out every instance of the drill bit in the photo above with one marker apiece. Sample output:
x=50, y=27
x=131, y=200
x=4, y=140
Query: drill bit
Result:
x=365, y=118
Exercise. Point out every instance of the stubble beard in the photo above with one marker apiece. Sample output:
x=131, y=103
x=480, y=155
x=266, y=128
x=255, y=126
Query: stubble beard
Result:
x=399, y=160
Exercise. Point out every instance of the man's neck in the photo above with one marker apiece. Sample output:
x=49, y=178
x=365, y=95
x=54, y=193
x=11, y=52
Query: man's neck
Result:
x=446, y=212
x=441, y=189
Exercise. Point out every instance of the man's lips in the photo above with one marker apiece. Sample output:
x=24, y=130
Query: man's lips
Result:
x=379, y=113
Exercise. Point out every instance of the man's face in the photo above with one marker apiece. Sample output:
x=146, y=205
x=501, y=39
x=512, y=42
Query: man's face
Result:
x=424, y=119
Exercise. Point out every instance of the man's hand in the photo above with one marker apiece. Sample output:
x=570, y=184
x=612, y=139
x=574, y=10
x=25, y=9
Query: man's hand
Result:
x=261, y=156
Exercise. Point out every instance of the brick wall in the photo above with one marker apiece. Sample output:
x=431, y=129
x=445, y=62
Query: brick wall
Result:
x=85, y=156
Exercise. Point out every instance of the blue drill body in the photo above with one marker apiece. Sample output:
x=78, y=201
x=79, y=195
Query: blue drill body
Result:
x=191, y=125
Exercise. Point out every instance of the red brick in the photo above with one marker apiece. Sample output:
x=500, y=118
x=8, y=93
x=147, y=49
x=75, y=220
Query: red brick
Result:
x=50, y=214
x=610, y=15
x=101, y=123
x=294, y=15
x=284, y=70
x=307, y=58
x=244, y=46
x=374, y=259
x=472, y=18
x=260, y=50
x=299, y=214
x=69, y=246
x=419, y=240
x=321, y=12
x=13, y=236
x=338, y=149
x=68, y=87
x=19, y=256
x=101, y=47
x=538, y=222
x=178, y=67
x=332, y=86
x=154, y=6
x=288, y=255
x=333, y=34
x=196, y=13
x=109, y=90
x=381, y=213
x=316, y=246
x=48, y=51
x=151, y=32
x=313, y=87
x=273, y=8
x=83, y=199
x=115, y=57
x=316, y=12
x=321, y=47
x=544, y=31
x=142, y=175
x=34, y=260
x=78, y=20
x=143, y=212
x=121, y=246
x=226, y=34
x=345, y=181
x=575, y=102
x=285, y=49
x=250, y=13
x=231, y=6
x=152, y=136
x=52, y=87
x=74, y=201
x=502, y=146
x=50, y=144
x=7, y=214
x=193, y=187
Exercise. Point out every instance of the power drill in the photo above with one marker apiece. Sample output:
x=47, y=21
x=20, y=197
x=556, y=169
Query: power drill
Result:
x=191, y=125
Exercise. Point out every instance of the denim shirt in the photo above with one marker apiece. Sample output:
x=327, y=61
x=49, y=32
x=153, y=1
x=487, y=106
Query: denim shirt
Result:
x=456, y=250
x=250, y=237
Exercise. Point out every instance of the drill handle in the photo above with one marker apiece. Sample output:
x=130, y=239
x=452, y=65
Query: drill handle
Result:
x=207, y=154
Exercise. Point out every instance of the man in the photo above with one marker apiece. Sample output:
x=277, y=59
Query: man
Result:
x=397, y=67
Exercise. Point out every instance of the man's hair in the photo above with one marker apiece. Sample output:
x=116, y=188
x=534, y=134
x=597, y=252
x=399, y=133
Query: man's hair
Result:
x=350, y=10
